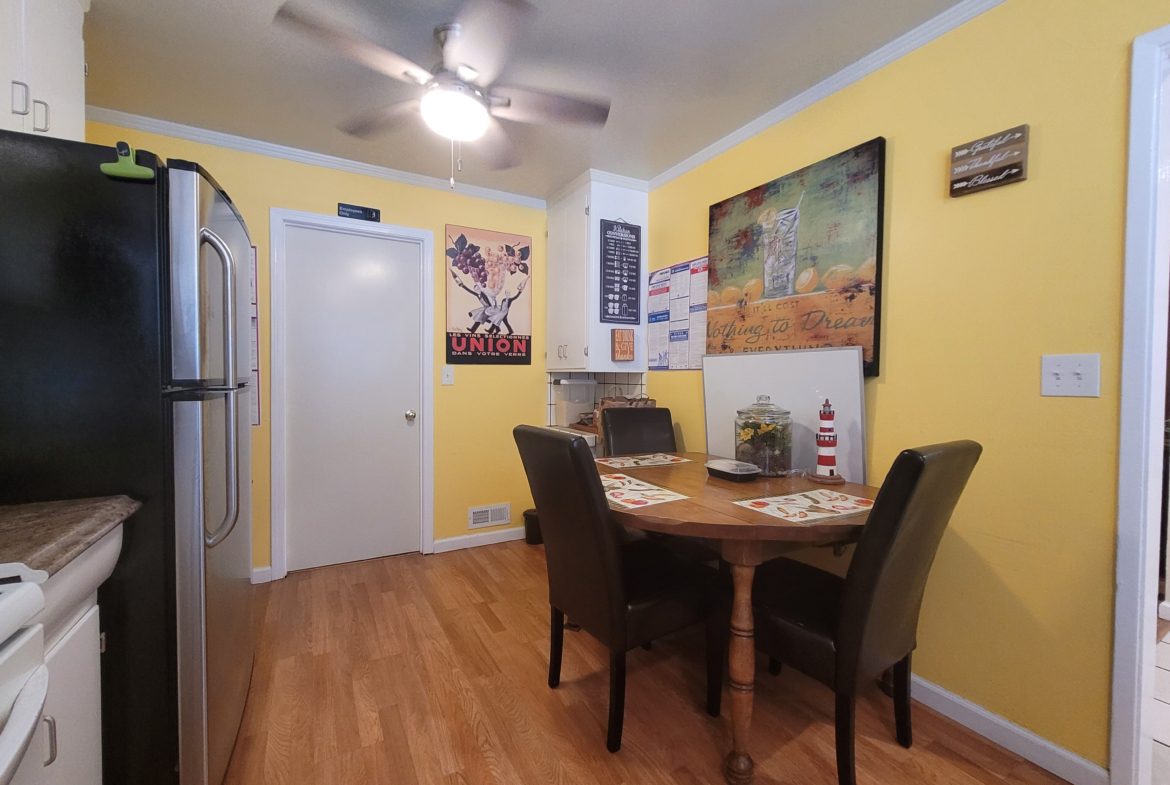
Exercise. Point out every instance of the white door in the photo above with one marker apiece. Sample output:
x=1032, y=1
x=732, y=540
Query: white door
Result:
x=353, y=386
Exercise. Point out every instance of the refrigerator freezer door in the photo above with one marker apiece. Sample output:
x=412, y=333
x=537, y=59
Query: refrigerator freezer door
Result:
x=209, y=270
x=213, y=579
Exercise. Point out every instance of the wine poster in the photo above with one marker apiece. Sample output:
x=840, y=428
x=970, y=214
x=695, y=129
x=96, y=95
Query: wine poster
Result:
x=795, y=263
x=489, y=298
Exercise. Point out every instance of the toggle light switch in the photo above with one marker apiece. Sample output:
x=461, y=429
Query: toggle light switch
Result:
x=1074, y=375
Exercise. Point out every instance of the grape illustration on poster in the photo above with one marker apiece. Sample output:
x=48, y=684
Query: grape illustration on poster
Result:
x=489, y=302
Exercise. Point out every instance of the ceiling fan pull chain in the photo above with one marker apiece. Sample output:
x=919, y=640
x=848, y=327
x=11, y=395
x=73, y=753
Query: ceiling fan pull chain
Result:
x=452, y=164
x=461, y=156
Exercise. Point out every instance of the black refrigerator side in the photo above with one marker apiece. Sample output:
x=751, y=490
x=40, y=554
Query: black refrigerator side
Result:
x=83, y=355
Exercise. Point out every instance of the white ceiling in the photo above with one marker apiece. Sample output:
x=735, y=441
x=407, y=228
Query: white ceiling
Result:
x=680, y=74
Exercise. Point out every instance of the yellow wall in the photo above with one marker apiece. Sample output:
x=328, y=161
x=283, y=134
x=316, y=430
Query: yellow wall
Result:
x=1018, y=613
x=475, y=458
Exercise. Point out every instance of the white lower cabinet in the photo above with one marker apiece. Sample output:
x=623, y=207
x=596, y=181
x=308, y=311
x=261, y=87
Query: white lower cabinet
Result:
x=67, y=749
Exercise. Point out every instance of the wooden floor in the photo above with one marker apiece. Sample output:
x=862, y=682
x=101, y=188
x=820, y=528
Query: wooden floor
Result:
x=433, y=670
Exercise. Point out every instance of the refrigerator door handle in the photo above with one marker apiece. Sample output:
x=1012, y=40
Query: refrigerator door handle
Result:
x=232, y=513
x=208, y=237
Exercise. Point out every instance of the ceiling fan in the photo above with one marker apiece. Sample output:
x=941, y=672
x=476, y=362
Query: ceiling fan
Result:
x=459, y=98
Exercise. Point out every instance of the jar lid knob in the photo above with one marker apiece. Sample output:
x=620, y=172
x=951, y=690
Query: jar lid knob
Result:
x=763, y=398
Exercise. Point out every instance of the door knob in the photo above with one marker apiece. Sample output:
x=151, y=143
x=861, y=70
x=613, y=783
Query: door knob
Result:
x=410, y=415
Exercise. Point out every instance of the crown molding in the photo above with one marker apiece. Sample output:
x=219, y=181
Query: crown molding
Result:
x=599, y=176
x=244, y=144
x=901, y=46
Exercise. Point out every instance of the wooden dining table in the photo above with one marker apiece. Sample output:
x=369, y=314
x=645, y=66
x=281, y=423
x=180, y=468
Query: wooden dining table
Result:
x=745, y=538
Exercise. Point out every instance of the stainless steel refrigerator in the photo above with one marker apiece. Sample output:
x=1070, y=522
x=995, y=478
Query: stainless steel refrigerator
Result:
x=125, y=366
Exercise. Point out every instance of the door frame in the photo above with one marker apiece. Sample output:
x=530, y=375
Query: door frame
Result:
x=281, y=221
x=1143, y=389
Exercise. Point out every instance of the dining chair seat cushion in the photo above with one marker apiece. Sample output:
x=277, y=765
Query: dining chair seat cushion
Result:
x=796, y=610
x=663, y=592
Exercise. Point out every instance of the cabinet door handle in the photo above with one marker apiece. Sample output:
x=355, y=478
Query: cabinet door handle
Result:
x=24, y=97
x=51, y=721
x=586, y=351
x=41, y=129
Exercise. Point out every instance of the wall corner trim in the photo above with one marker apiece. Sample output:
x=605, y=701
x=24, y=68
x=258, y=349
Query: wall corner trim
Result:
x=481, y=538
x=1008, y=735
x=879, y=58
x=244, y=144
x=261, y=575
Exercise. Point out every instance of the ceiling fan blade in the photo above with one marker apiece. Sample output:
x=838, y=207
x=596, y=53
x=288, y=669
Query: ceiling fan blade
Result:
x=377, y=121
x=486, y=31
x=533, y=106
x=496, y=148
x=352, y=44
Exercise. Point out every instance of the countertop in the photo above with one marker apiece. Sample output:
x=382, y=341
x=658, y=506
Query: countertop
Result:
x=48, y=535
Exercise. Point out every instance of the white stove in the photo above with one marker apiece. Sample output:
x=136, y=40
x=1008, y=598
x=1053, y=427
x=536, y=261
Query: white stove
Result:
x=24, y=679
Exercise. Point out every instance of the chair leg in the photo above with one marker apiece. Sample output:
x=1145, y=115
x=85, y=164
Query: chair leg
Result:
x=617, y=700
x=845, y=729
x=554, y=650
x=774, y=666
x=902, y=701
x=716, y=649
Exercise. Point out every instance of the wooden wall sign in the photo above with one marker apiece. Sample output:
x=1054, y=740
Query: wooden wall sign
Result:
x=621, y=345
x=994, y=160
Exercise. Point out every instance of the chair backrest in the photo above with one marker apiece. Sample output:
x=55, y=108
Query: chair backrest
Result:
x=637, y=429
x=581, y=543
x=884, y=586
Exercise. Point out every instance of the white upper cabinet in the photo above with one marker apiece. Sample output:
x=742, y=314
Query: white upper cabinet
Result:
x=578, y=339
x=42, y=67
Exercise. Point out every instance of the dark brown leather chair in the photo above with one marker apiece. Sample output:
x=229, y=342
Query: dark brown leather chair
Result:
x=637, y=430
x=845, y=632
x=650, y=429
x=625, y=592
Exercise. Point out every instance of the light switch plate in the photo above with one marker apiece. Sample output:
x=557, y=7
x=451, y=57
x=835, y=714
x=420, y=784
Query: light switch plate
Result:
x=448, y=374
x=1074, y=375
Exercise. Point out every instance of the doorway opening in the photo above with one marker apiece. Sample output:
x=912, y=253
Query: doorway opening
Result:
x=1143, y=395
x=352, y=390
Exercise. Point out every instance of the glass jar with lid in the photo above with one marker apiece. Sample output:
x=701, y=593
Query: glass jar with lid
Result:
x=763, y=436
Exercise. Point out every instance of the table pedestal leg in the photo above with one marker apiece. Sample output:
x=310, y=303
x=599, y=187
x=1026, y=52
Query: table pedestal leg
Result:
x=738, y=768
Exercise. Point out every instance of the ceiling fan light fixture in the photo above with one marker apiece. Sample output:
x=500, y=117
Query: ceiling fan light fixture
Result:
x=455, y=111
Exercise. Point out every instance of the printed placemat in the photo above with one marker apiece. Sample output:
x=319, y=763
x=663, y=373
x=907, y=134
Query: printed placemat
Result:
x=635, y=461
x=808, y=506
x=625, y=491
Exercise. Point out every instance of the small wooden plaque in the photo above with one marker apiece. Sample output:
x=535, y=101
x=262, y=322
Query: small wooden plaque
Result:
x=995, y=160
x=621, y=345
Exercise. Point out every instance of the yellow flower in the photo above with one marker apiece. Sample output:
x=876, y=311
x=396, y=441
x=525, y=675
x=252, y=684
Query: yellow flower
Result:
x=745, y=434
x=768, y=426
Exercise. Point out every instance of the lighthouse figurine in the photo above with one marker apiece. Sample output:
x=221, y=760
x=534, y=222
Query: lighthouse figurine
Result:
x=827, y=448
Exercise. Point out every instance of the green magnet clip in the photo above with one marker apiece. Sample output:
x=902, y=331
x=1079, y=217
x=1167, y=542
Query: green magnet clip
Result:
x=125, y=168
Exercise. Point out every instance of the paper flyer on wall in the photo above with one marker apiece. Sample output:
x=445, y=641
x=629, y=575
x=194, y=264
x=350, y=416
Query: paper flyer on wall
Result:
x=676, y=331
x=254, y=344
x=658, y=320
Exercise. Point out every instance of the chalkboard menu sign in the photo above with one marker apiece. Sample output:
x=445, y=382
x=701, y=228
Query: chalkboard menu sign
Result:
x=621, y=272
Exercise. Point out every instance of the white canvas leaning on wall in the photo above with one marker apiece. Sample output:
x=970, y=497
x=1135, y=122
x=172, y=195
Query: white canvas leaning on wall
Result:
x=799, y=381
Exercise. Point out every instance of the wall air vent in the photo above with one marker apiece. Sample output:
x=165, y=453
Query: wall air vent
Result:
x=490, y=515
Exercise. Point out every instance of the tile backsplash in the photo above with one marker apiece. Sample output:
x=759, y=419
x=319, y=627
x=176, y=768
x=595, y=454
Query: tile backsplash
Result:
x=608, y=384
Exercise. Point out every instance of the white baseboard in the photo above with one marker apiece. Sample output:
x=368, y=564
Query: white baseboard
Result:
x=1164, y=610
x=481, y=538
x=261, y=574
x=1010, y=736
